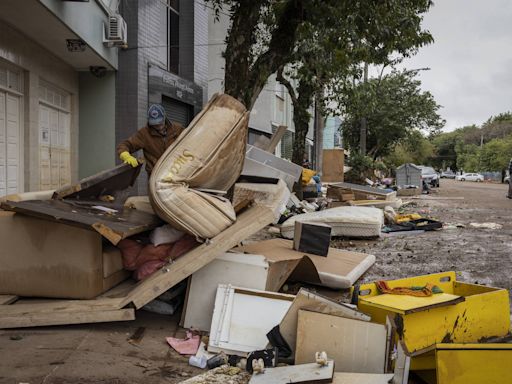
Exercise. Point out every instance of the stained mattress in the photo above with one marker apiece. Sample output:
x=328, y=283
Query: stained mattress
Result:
x=354, y=222
x=209, y=154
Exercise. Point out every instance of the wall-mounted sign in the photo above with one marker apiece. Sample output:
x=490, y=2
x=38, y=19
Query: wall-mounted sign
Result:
x=161, y=82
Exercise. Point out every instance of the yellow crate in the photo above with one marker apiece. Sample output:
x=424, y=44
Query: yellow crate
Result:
x=464, y=313
x=474, y=363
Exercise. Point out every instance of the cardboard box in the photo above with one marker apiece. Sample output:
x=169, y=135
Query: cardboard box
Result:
x=47, y=259
x=333, y=162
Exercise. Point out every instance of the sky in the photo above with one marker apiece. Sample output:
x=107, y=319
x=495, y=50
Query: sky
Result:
x=470, y=61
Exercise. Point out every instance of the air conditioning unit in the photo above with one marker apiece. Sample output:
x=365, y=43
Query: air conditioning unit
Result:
x=114, y=33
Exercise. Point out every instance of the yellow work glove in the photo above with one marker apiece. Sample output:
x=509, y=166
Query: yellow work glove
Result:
x=128, y=159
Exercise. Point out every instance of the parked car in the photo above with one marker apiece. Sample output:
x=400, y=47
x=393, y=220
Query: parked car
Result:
x=448, y=175
x=429, y=175
x=470, y=177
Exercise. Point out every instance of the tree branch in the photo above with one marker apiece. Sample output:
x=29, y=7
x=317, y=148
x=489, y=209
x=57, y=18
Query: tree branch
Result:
x=288, y=86
x=280, y=48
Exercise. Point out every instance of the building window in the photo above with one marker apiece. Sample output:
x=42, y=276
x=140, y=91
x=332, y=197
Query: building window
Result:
x=173, y=35
x=287, y=145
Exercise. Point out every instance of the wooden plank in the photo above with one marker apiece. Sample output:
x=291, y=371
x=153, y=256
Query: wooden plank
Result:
x=313, y=302
x=7, y=299
x=60, y=306
x=365, y=189
x=362, y=378
x=248, y=223
x=302, y=373
x=276, y=138
x=64, y=318
x=402, y=366
x=116, y=226
x=104, y=183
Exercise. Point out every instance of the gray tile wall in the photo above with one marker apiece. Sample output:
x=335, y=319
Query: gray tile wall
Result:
x=201, y=46
x=144, y=21
x=187, y=39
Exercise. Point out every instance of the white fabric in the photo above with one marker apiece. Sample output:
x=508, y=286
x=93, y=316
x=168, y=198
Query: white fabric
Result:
x=164, y=235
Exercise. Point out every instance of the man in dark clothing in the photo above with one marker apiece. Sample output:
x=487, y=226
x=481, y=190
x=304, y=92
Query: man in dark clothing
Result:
x=153, y=139
x=509, y=195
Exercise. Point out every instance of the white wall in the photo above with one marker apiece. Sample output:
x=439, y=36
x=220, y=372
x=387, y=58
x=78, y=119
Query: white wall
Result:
x=37, y=63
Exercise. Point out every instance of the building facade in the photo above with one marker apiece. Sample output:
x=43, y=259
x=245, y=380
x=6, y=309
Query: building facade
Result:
x=273, y=106
x=332, y=133
x=53, y=66
x=166, y=62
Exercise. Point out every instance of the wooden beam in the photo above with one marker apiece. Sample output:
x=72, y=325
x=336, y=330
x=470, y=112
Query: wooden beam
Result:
x=276, y=138
x=248, y=223
x=7, y=299
x=104, y=183
x=39, y=319
x=60, y=306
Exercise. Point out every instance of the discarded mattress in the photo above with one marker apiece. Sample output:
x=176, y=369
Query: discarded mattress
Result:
x=360, y=222
x=209, y=154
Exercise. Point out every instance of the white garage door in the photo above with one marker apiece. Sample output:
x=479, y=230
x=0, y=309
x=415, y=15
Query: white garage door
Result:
x=10, y=156
x=54, y=142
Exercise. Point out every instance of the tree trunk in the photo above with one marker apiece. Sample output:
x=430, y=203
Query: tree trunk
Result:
x=244, y=76
x=363, y=124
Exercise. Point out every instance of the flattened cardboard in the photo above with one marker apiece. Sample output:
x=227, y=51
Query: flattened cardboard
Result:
x=340, y=269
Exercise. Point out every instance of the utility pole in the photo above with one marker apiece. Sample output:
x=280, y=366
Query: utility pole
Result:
x=319, y=136
x=363, y=124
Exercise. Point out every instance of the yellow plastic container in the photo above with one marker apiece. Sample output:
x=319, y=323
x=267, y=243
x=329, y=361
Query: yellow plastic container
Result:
x=307, y=175
x=464, y=313
x=474, y=363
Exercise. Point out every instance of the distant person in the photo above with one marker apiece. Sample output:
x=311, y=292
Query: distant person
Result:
x=509, y=195
x=153, y=139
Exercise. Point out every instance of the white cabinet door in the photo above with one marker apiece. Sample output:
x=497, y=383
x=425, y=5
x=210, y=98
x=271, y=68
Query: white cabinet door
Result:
x=9, y=143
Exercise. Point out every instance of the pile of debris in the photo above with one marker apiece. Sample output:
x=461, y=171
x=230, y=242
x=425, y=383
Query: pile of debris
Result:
x=102, y=255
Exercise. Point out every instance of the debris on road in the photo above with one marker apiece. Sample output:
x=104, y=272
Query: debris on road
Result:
x=187, y=346
x=197, y=244
x=486, y=225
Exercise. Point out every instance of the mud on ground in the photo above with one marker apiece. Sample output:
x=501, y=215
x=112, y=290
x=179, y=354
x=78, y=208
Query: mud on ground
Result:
x=482, y=256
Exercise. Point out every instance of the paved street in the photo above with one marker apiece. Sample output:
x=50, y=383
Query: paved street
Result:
x=480, y=255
